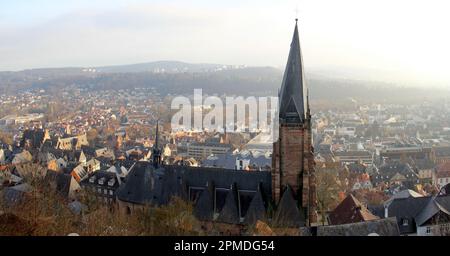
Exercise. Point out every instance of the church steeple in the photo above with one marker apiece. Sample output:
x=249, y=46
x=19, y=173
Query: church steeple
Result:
x=293, y=156
x=293, y=102
x=156, y=153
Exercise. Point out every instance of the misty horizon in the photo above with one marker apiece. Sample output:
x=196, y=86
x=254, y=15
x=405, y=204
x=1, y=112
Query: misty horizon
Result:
x=365, y=41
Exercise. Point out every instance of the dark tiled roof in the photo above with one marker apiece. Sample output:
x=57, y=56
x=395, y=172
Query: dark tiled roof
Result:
x=204, y=207
x=389, y=170
x=287, y=213
x=381, y=227
x=407, y=209
x=356, y=168
x=144, y=185
x=256, y=210
x=230, y=211
x=377, y=210
x=88, y=151
x=293, y=93
x=223, y=178
x=434, y=206
x=139, y=184
x=107, y=176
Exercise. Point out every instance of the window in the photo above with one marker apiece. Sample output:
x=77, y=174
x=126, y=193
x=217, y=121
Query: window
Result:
x=428, y=230
x=405, y=222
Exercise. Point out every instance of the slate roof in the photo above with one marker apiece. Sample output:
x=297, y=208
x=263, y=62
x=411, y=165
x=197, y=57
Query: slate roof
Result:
x=138, y=187
x=407, y=209
x=223, y=178
x=381, y=227
x=107, y=176
x=435, y=205
x=293, y=102
x=356, y=168
x=403, y=194
x=287, y=213
x=230, y=211
x=204, y=206
x=387, y=171
x=256, y=210
x=209, y=188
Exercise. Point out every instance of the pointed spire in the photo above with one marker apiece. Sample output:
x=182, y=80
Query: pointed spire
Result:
x=293, y=103
x=156, y=152
x=157, y=134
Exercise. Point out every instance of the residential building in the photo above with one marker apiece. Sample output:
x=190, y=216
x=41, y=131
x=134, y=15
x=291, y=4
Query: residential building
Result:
x=203, y=150
x=103, y=185
x=441, y=175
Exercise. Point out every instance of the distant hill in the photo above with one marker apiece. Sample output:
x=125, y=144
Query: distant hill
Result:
x=164, y=66
x=173, y=77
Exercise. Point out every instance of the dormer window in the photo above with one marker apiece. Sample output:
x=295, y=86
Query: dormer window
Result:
x=405, y=222
x=92, y=179
x=111, y=182
x=101, y=181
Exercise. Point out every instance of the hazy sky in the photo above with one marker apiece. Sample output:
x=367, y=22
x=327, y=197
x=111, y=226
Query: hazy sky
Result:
x=408, y=40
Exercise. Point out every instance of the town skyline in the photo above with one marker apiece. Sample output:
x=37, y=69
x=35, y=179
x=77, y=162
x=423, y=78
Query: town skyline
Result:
x=127, y=151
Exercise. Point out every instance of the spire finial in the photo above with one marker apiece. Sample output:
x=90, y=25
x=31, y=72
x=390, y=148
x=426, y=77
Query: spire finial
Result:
x=296, y=15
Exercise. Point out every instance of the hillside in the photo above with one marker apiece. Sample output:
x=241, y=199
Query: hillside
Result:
x=183, y=78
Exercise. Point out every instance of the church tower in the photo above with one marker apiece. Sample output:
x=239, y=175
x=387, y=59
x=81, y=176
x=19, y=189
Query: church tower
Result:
x=293, y=157
x=156, y=151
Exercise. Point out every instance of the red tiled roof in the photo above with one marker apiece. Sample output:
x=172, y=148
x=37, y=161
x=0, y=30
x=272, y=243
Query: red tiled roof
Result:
x=350, y=210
